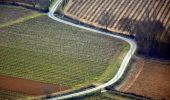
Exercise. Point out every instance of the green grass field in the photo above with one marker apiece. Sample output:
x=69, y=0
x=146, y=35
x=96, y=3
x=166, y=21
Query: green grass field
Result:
x=8, y=95
x=44, y=50
x=12, y=13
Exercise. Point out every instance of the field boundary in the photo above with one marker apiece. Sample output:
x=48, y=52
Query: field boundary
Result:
x=128, y=95
x=122, y=67
x=20, y=20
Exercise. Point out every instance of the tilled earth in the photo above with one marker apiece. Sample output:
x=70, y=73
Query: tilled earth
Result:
x=32, y=88
x=149, y=78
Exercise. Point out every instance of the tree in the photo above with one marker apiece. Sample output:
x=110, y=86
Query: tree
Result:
x=64, y=4
x=44, y=4
x=104, y=21
x=34, y=2
x=14, y=2
x=148, y=35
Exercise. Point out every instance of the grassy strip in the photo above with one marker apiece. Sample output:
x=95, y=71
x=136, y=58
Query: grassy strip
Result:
x=62, y=6
x=114, y=66
x=11, y=13
x=20, y=20
x=111, y=69
x=10, y=95
x=53, y=4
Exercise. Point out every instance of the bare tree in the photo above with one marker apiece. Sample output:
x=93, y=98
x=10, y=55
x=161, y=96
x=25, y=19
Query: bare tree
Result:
x=148, y=34
x=34, y=2
x=104, y=20
x=13, y=1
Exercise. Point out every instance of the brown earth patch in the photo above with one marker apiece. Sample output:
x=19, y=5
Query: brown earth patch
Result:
x=112, y=12
x=28, y=87
x=149, y=78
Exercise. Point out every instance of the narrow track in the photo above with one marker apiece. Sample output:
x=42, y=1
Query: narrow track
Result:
x=122, y=68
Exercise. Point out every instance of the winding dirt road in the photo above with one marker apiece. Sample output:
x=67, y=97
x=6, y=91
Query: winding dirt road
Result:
x=122, y=68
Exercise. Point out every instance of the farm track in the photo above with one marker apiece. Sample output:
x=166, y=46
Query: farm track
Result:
x=123, y=64
x=93, y=12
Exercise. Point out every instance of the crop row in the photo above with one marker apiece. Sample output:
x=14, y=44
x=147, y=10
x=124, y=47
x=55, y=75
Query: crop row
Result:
x=54, y=52
x=12, y=13
x=94, y=11
x=8, y=95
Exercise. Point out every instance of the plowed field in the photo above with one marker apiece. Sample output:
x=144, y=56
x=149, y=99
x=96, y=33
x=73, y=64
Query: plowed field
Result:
x=149, y=78
x=97, y=12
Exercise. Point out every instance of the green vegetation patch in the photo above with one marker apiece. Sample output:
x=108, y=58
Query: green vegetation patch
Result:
x=114, y=64
x=11, y=13
x=9, y=95
x=44, y=50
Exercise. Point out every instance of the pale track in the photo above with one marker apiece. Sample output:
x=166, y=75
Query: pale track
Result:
x=122, y=68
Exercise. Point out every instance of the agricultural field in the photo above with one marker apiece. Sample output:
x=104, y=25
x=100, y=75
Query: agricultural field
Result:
x=148, y=78
x=8, y=95
x=28, y=87
x=40, y=5
x=104, y=96
x=115, y=14
x=39, y=46
x=12, y=13
x=42, y=50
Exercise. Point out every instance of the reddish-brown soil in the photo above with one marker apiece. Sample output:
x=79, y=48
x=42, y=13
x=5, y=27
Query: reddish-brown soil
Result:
x=149, y=78
x=28, y=87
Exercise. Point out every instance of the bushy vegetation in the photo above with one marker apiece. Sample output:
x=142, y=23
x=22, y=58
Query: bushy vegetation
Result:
x=48, y=51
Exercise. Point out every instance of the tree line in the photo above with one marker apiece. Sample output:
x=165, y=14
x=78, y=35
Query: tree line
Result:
x=152, y=38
